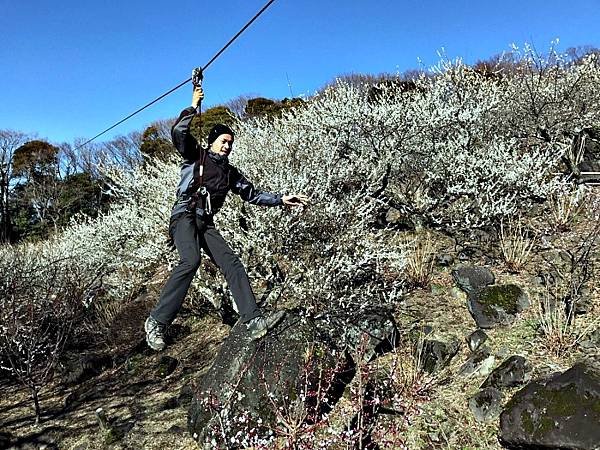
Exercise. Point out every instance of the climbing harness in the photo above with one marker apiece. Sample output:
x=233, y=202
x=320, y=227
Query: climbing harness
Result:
x=200, y=199
x=256, y=16
x=205, y=195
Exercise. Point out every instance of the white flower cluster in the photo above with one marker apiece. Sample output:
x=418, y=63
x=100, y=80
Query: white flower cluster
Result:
x=455, y=149
x=487, y=146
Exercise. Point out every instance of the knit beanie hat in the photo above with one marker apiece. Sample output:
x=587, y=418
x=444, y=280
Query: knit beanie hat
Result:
x=217, y=131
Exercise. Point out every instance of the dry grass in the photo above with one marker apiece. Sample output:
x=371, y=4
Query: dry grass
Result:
x=516, y=245
x=104, y=313
x=419, y=262
x=565, y=207
x=561, y=330
x=130, y=394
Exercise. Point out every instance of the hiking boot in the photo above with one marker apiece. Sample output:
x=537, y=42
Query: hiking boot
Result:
x=155, y=334
x=259, y=326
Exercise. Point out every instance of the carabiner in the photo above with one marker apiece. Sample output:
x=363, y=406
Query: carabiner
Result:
x=206, y=196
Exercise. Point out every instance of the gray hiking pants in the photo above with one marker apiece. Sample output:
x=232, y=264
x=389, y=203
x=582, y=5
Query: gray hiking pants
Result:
x=191, y=235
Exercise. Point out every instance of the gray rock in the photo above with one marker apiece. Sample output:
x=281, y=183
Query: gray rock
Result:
x=444, y=260
x=494, y=306
x=378, y=327
x=166, y=366
x=511, y=373
x=479, y=363
x=250, y=381
x=466, y=253
x=436, y=354
x=470, y=279
x=558, y=412
x=591, y=341
x=486, y=405
x=475, y=339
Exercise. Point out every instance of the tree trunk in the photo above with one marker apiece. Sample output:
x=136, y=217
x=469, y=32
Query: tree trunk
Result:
x=36, y=403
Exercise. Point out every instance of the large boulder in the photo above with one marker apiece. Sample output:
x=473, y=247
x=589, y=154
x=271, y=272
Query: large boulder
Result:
x=497, y=305
x=559, y=412
x=295, y=374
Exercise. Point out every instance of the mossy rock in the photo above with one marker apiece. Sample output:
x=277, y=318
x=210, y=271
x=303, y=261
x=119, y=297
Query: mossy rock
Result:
x=497, y=305
x=562, y=411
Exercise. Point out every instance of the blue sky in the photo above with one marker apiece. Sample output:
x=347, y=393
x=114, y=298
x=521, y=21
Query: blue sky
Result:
x=71, y=68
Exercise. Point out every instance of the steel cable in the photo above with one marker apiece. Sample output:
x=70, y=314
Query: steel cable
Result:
x=256, y=16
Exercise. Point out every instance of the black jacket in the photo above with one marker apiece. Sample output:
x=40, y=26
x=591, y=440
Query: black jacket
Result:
x=219, y=176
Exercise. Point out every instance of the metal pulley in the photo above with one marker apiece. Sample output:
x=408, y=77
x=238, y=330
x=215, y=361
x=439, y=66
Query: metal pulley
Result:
x=197, y=76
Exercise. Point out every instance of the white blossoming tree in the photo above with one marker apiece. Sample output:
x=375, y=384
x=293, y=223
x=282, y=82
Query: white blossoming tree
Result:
x=454, y=149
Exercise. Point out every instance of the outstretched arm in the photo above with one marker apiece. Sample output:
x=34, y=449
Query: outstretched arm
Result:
x=246, y=190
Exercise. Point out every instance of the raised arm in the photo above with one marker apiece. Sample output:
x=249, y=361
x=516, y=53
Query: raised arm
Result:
x=184, y=142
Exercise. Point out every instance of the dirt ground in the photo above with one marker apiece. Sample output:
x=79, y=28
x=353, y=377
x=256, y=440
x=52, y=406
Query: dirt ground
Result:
x=144, y=408
x=148, y=410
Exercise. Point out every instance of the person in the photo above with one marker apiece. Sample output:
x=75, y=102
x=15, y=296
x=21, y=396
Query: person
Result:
x=206, y=178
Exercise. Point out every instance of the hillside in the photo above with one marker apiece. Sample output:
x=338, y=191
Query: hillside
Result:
x=411, y=184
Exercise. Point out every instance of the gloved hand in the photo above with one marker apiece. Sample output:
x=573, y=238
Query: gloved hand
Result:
x=197, y=96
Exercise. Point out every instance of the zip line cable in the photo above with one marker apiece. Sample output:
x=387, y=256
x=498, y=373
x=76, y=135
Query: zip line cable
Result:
x=256, y=16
